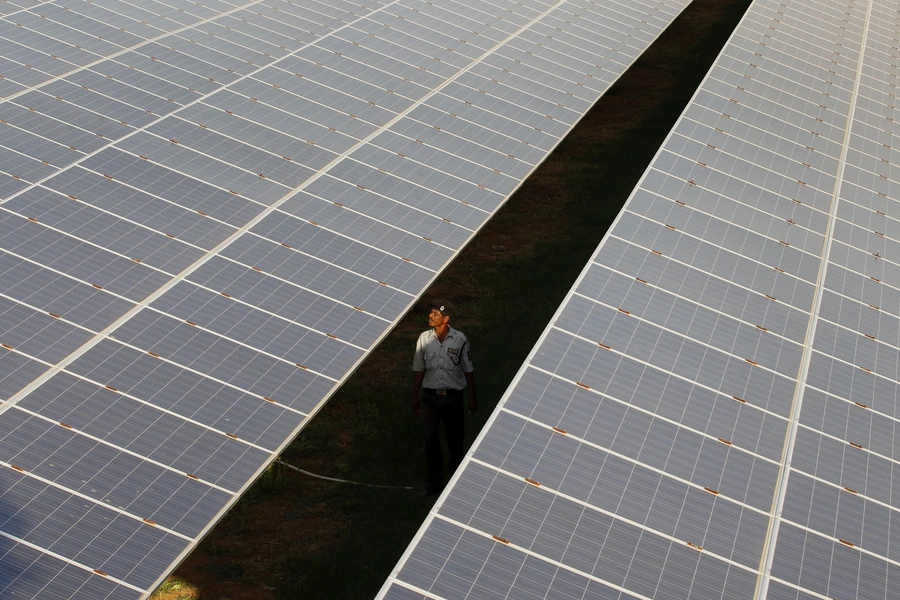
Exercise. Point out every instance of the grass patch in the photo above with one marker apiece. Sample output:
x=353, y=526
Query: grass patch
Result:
x=174, y=588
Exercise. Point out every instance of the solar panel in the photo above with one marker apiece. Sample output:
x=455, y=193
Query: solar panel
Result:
x=711, y=411
x=212, y=211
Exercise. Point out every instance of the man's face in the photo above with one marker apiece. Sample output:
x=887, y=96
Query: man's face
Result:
x=435, y=318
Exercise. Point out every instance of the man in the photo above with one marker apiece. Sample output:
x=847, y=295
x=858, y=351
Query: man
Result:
x=443, y=365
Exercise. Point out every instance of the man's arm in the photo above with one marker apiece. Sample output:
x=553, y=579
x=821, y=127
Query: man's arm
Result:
x=417, y=385
x=470, y=383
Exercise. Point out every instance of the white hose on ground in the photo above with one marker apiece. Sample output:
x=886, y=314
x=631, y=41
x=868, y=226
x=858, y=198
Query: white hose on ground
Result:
x=299, y=470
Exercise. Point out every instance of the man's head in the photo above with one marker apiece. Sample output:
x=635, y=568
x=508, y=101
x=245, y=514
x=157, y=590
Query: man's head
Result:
x=440, y=312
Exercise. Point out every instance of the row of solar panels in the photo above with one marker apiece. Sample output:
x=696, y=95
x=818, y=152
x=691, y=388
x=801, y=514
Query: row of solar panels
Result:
x=712, y=411
x=211, y=212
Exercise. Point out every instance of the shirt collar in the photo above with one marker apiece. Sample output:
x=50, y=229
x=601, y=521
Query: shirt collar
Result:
x=450, y=333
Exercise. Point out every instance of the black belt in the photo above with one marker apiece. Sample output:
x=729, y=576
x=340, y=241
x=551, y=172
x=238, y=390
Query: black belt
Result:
x=442, y=392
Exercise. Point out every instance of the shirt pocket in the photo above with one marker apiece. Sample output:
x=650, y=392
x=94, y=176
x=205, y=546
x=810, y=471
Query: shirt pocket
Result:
x=453, y=361
x=431, y=360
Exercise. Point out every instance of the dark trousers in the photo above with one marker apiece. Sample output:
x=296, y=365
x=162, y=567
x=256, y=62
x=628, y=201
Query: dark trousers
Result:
x=433, y=410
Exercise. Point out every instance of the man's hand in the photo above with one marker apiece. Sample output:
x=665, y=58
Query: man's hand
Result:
x=473, y=405
x=417, y=385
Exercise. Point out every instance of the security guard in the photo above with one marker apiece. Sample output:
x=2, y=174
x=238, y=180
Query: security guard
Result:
x=443, y=365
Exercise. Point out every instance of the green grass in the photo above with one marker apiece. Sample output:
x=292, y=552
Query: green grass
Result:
x=367, y=432
x=175, y=589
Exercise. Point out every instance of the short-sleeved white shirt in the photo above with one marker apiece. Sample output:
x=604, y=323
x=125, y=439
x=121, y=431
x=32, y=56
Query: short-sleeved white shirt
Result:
x=445, y=363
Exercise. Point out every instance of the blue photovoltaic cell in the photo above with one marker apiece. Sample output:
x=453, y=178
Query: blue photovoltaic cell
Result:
x=722, y=380
x=210, y=214
x=29, y=573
